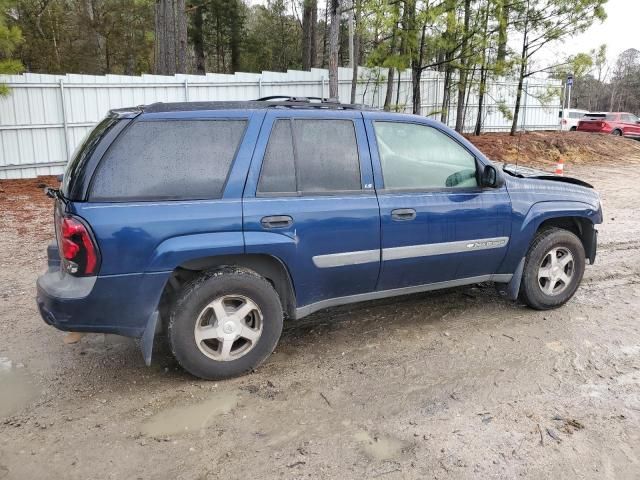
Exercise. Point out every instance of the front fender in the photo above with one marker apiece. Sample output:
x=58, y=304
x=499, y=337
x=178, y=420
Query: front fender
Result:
x=525, y=227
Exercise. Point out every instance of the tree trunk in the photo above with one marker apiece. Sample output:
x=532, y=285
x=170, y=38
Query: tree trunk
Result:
x=389, y=94
x=416, y=76
x=449, y=37
x=334, y=46
x=235, y=37
x=181, y=36
x=170, y=37
x=356, y=49
x=94, y=41
x=503, y=24
x=197, y=38
x=309, y=12
x=392, y=47
x=481, y=95
x=516, y=112
x=160, y=64
x=483, y=75
x=313, y=54
x=325, y=36
x=446, y=96
x=463, y=70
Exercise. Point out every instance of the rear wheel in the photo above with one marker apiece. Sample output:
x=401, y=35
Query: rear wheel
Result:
x=553, y=269
x=617, y=133
x=573, y=129
x=225, y=323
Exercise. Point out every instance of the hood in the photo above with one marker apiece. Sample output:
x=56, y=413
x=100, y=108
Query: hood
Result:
x=526, y=172
x=534, y=186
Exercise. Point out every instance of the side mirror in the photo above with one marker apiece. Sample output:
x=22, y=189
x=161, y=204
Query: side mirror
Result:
x=490, y=177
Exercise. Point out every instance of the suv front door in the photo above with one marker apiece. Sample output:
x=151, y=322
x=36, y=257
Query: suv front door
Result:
x=438, y=225
x=309, y=201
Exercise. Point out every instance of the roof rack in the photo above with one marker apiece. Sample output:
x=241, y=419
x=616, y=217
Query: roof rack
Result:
x=306, y=102
x=288, y=98
x=275, y=101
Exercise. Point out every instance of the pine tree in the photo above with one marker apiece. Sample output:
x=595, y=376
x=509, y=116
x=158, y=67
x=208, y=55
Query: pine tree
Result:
x=10, y=39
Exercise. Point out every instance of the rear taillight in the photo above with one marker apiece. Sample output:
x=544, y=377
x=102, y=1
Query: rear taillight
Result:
x=78, y=251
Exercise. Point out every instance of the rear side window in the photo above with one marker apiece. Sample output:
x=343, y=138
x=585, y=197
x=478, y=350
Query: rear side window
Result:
x=278, y=167
x=311, y=156
x=85, y=150
x=168, y=159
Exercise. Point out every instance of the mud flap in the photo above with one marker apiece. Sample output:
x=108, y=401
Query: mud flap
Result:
x=146, y=341
x=513, y=287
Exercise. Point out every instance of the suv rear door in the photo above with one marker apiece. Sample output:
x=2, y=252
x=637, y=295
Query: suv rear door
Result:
x=631, y=126
x=309, y=201
x=437, y=224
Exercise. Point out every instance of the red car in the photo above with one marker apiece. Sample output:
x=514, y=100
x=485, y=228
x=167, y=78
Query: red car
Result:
x=620, y=124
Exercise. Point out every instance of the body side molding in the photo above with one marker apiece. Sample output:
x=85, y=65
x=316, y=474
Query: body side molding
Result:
x=363, y=297
x=410, y=251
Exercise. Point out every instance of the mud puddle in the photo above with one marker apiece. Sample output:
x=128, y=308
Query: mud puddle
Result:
x=189, y=418
x=17, y=389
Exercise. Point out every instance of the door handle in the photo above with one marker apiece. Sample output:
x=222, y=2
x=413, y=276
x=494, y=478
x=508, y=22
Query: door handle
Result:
x=403, y=214
x=276, y=221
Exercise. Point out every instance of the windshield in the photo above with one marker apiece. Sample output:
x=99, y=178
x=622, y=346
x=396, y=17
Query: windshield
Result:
x=84, y=151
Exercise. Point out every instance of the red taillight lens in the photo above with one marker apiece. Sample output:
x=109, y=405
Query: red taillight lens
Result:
x=77, y=249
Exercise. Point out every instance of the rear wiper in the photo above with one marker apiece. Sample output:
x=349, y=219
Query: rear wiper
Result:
x=55, y=193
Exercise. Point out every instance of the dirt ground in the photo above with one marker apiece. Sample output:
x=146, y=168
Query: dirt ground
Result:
x=458, y=384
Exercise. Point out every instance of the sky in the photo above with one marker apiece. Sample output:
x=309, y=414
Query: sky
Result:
x=619, y=31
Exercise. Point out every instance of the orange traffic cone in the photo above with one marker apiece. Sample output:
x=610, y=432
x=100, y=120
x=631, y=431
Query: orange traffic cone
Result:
x=560, y=167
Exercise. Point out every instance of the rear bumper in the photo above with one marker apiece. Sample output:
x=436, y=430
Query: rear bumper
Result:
x=119, y=304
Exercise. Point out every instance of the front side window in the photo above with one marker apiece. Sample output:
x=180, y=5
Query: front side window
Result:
x=419, y=157
x=168, y=159
x=311, y=156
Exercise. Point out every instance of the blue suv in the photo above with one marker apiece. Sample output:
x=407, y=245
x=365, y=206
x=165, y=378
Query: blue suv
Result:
x=214, y=221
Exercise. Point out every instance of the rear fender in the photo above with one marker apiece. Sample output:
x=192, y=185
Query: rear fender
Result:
x=176, y=251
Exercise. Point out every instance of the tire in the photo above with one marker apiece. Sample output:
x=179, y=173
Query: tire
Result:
x=543, y=285
x=616, y=133
x=210, y=307
x=573, y=129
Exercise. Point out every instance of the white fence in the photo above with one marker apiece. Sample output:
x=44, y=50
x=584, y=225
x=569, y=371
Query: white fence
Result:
x=46, y=116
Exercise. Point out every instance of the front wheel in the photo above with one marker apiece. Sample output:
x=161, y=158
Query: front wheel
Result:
x=617, y=133
x=553, y=269
x=225, y=323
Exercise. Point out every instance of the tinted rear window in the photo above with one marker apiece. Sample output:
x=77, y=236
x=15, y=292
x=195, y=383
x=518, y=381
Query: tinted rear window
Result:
x=169, y=159
x=327, y=155
x=85, y=150
x=601, y=116
x=278, y=167
x=311, y=156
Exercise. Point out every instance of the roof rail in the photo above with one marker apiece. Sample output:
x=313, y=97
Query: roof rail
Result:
x=288, y=98
x=306, y=102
